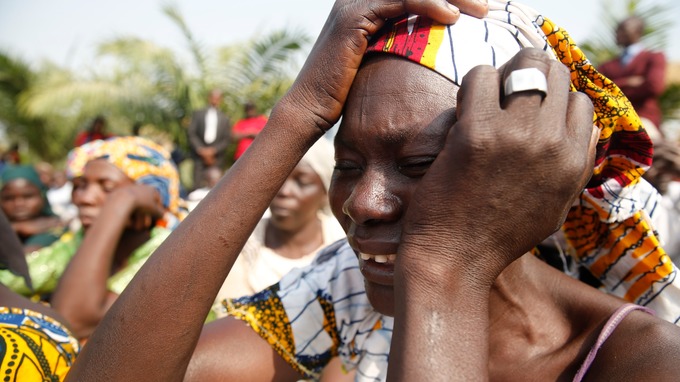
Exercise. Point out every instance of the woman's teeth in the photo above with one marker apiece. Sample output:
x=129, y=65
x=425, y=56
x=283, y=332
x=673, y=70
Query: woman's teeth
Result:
x=378, y=258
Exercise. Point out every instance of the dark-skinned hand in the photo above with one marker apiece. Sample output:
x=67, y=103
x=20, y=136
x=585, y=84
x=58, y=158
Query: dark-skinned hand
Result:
x=140, y=202
x=506, y=178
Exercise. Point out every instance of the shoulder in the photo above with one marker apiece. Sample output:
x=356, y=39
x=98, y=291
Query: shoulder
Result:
x=332, y=251
x=653, y=53
x=652, y=56
x=643, y=347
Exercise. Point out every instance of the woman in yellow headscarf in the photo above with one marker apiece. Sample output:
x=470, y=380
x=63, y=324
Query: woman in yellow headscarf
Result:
x=127, y=193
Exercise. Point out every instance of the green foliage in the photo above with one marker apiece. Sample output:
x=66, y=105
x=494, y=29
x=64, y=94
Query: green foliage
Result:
x=260, y=71
x=134, y=81
x=15, y=77
x=670, y=101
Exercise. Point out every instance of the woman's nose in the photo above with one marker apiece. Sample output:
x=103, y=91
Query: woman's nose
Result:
x=287, y=188
x=86, y=195
x=373, y=201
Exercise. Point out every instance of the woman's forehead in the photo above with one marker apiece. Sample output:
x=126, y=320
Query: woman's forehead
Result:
x=102, y=169
x=20, y=183
x=393, y=99
x=389, y=72
x=303, y=167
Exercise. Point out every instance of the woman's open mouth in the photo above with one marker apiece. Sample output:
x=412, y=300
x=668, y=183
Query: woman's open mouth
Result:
x=378, y=269
x=382, y=259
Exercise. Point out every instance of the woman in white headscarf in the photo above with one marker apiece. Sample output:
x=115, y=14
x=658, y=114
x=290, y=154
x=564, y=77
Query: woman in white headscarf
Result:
x=299, y=223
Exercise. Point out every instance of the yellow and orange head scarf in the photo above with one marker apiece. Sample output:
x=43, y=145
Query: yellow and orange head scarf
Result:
x=140, y=159
x=606, y=228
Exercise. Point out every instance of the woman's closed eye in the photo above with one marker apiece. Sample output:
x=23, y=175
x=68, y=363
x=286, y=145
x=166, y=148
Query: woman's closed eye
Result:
x=344, y=166
x=416, y=167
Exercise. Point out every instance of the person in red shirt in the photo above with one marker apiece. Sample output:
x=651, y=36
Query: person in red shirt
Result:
x=96, y=131
x=246, y=129
x=640, y=73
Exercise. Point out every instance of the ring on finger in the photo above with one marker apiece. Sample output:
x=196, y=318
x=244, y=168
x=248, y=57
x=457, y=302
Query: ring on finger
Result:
x=528, y=79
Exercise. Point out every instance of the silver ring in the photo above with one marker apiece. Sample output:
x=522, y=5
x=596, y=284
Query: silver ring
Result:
x=528, y=79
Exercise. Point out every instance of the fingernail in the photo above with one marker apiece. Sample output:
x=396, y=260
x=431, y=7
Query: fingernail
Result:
x=453, y=8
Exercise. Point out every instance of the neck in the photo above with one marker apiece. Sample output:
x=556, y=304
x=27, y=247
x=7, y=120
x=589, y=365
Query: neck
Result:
x=521, y=291
x=527, y=321
x=294, y=244
x=537, y=312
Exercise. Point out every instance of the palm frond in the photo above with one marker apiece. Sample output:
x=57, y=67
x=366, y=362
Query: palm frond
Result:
x=261, y=69
x=195, y=47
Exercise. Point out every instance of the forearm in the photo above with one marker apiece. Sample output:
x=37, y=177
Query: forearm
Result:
x=440, y=326
x=36, y=226
x=81, y=295
x=187, y=270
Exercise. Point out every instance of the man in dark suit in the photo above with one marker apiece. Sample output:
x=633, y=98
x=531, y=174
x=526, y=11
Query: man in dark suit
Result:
x=209, y=135
x=640, y=73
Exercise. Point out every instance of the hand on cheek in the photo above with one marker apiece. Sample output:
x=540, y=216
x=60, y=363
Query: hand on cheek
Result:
x=511, y=167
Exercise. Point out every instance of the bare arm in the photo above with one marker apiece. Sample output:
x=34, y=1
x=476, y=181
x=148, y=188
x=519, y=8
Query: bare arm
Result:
x=82, y=296
x=208, y=362
x=36, y=226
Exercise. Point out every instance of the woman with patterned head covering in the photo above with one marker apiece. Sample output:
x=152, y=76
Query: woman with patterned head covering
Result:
x=23, y=198
x=140, y=161
x=461, y=148
x=127, y=193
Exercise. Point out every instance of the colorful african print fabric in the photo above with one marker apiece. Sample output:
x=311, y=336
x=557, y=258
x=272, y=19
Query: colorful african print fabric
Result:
x=318, y=312
x=607, y=229
x=140, y=159
x=34, y=347
x=47, y=264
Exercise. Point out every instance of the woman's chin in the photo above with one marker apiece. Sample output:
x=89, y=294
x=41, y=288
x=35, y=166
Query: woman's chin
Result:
x=381, y=297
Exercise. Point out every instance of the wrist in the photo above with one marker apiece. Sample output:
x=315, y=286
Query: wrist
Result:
x=306, y=102
x=452, y=264
x=121, y=202
x=299, y=118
